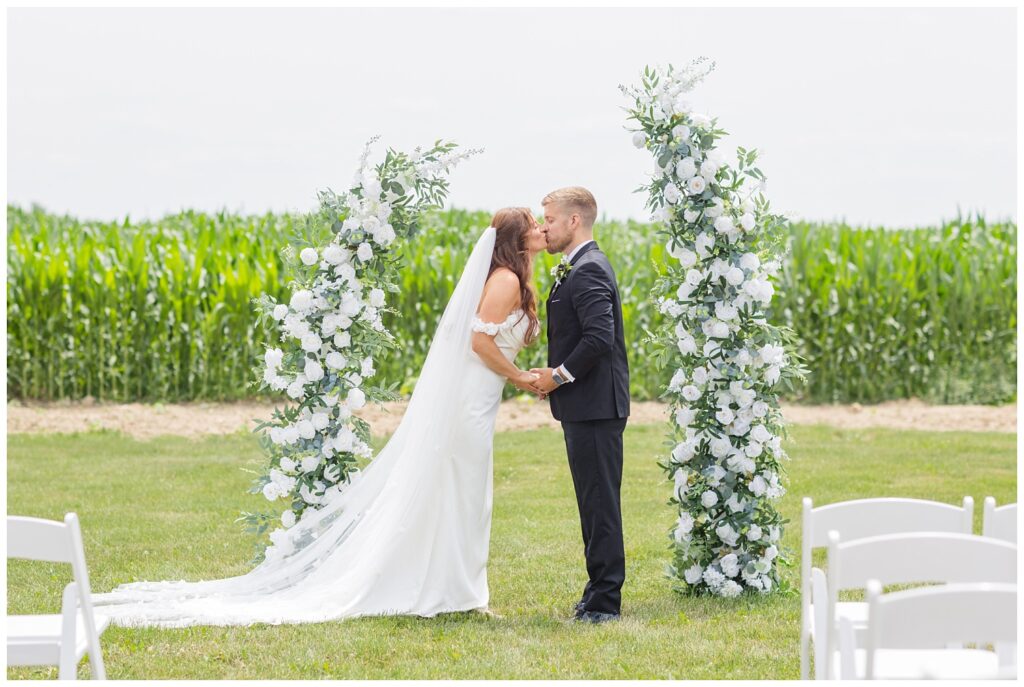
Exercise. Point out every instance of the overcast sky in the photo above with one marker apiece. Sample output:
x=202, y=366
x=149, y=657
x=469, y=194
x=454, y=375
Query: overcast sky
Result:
x=878, y=116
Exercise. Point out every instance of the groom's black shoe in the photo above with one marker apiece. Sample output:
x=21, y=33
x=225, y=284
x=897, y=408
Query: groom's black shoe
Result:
x=596, y=617
x=578, y=611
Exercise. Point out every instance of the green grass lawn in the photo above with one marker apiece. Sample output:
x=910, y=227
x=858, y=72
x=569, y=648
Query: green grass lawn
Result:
x=165, y=509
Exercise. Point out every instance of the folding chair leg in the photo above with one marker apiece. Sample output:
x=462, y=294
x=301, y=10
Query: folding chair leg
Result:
x=67, y=669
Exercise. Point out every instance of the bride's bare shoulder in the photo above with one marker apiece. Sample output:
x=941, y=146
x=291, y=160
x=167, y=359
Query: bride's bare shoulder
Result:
x=501, y=291
x=503, y=278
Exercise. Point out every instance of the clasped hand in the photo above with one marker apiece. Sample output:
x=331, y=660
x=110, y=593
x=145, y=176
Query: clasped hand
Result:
x=537, y=381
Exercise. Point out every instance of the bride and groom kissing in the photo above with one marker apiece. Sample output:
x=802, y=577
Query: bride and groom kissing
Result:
x=410, y=535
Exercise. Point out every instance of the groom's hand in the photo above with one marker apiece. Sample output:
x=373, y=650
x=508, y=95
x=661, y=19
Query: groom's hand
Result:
x=546, y=384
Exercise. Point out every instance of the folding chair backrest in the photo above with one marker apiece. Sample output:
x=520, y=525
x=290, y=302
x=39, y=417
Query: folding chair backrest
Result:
x=873, y=517
x=1001, y=522
x=934, y=617
x=39, y=540
x=920, y=557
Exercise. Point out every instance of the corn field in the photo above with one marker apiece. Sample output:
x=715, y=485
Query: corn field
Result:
x=162, y=311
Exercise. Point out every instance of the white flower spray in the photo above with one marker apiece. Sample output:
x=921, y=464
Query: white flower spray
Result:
x=331, y=331
x=727, y=360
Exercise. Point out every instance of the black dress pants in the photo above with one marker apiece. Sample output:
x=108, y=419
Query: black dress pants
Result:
x=595, y=461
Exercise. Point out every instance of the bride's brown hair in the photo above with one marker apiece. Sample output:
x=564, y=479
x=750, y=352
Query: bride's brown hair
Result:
x=511, y=228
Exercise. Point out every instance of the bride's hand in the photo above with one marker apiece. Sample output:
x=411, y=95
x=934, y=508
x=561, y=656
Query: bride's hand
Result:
x=524, y=380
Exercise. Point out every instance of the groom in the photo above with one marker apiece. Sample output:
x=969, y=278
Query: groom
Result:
x=589, y=390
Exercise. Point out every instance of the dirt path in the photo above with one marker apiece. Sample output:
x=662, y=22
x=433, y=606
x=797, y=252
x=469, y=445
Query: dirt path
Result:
x=195, y=419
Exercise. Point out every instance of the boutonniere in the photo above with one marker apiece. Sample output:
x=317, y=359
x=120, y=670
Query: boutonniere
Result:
x=561, y=270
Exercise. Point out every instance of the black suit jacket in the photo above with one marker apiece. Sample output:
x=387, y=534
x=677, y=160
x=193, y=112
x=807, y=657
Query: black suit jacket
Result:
x=586, y=335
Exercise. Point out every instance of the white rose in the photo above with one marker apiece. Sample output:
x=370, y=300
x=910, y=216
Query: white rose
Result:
x=332, y=473
x=334, y=254
x=730, y=565
x=677, y=380
x=320, y=420
x=350, y=305
x=291, y=434
x=273, y=357
x=725, y=416
x=294, y=389
x=342, y=339
x=693, y=574
x=305, y=429
x=335, y=360
x=754, y=533
x=377, y=298
x=760, y=408
x=716, y=208
x=367, y=367
x=683, y=452
x=772, y=374
x=704, y=243
x=700, y=375
x=364, y=252
x=686, y=168
x=709, y=498
x=684, y=416
x=734, y=276
x=687, y=345
x=639, y=139
x=288, y=518
x=356, y=399
x=681, y=131
x=310, y=463
x=690, y=215
x=724, y=311
x=309, y=256
x=280, y=311
x=695, y=186
x=311, y=343
x=727, y=534
x=750, y=261
x=747, y=221
x=314, y=371
x=723, y=225
x=720, y=447
x=302, y=300
x=691, y=393
x=760, y=434
x=270, y=491
x=672, y=194
x=684, y=527
x=758, y=486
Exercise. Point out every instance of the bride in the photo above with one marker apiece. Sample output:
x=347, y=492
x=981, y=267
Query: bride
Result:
x=410, y=535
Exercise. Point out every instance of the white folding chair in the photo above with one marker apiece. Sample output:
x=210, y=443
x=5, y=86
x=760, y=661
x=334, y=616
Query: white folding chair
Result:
x=1001, y=522
x=60, y=639
x=913, y=557
x=856, y=519
x=909, y=632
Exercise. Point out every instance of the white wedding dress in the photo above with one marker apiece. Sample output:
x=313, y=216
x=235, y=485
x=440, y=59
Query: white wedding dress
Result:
x=408, y=536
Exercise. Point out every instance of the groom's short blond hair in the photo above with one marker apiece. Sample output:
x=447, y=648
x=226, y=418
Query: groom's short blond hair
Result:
x=578, y=199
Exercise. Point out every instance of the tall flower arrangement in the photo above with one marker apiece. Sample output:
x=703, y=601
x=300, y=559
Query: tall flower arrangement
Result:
x=331, y=331
x=724, y=451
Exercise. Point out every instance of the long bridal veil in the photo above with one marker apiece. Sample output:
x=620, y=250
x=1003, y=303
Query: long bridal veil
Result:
x=336, y=562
